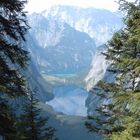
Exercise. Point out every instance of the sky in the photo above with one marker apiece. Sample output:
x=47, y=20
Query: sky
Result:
x=40, y=5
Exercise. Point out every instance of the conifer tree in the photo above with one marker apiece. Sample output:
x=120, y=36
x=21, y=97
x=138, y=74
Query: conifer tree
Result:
x=13, y=57
x=119, y=118
x=33, y=125
x=13, y=26
x=7, y=121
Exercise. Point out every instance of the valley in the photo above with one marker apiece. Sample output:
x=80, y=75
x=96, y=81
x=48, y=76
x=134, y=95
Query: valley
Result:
x=65, y=44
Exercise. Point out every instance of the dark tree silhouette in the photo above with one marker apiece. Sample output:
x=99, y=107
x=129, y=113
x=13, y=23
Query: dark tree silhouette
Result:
x=13, y=58
x=13, y=26
x=33, y=125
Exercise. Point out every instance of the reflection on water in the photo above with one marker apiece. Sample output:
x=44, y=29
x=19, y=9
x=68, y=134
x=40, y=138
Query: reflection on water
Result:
x=70, y=100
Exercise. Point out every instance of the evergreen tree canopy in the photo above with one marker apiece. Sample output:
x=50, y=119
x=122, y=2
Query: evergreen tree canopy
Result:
x=119, y=118
x=7, y=120
x=13, y=26
x=13, y=57
x=33, y=125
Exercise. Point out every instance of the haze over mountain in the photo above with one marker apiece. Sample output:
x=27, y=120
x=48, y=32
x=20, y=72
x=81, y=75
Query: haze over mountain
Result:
x=61, y=47
x=98, y=24
x=65, y=45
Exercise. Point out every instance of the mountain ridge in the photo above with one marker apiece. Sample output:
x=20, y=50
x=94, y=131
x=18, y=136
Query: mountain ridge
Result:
x=84, y=20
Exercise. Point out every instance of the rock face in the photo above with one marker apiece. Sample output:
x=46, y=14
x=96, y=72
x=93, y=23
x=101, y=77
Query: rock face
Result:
x=93, y=99
x=58, y=48
x=98, y=23
x=97, y=71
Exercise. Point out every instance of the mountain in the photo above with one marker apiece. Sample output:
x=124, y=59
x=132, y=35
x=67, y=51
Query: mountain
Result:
x=58, y=48
x=65, y=44
x=100, y=24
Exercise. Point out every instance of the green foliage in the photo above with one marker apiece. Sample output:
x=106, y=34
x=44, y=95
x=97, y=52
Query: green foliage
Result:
x=32, y=124
x=13, y=60
x=13, y=26
x=7, y=120
x=13, y=57
x=119, y=119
